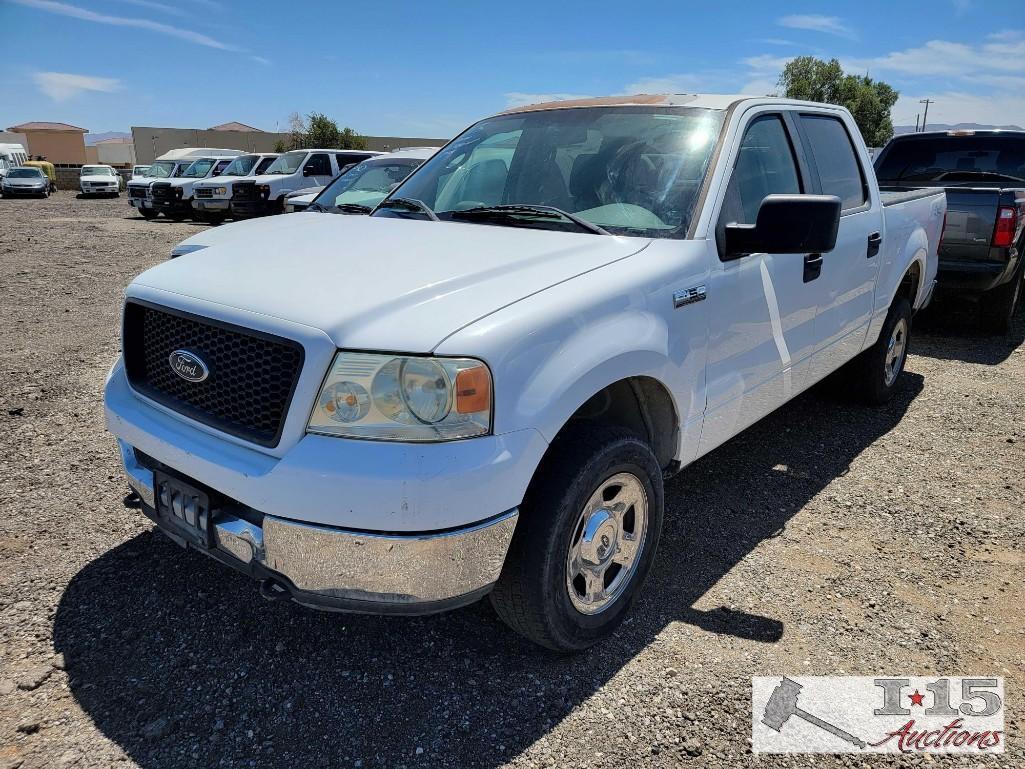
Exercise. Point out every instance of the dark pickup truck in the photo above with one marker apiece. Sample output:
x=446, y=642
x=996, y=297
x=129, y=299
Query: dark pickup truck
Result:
x=983, y=173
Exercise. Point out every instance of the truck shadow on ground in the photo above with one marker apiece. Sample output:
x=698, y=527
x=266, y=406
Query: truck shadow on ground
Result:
x=179, y=662
x=949, y=330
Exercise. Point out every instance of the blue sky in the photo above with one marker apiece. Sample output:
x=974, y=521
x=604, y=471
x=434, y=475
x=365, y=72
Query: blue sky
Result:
x=429, y=69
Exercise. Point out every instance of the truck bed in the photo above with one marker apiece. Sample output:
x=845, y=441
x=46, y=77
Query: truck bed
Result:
x=893, y=195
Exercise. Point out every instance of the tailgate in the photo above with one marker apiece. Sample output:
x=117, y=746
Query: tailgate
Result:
x=971, y=216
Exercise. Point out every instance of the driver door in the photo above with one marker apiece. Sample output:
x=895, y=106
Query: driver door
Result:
x=317, y=170
x=762, y=306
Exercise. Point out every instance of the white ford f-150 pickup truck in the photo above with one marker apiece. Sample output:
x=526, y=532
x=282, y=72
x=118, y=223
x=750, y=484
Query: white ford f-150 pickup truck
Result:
x=480, y=387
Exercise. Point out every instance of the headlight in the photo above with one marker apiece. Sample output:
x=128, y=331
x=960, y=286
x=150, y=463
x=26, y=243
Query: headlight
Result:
x=403, y=398
x=263, y=190
x=220, y=190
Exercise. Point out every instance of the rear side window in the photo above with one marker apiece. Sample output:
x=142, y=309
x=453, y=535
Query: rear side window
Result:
x=839, y=171
x=318, y=165
x=350, y=158
x=765, y=166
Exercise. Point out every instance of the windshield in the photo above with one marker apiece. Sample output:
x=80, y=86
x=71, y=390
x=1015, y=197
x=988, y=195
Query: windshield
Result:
x=97, y=171
x=24, y=173
x=198, y=169
x=366, y=183
x=161, y=169
x=629, y=170
x=975, y=159
x=240, y=166
x=288, y=163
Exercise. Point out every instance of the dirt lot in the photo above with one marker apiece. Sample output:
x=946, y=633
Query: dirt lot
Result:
x=828, y=539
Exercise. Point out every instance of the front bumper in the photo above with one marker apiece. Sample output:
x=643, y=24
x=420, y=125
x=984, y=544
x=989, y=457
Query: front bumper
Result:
x=211, y=204
x=140, y=202
x=23, y=190
x=171, y=206
x=345, y=570
x=250, y=207
x=111, y=190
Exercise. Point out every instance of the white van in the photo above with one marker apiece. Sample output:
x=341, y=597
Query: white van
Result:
x=11, y=155
x=211, y=199
x=254, y=196
x=170, y=165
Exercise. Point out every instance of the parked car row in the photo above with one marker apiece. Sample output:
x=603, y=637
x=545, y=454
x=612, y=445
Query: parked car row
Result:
x=479, y=388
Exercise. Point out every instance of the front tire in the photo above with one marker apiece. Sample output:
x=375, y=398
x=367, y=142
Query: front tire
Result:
x=588, y=531
x=149, y=213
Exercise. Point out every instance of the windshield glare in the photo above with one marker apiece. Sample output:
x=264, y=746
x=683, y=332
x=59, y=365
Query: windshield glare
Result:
x=954, y=158
x=631, y=170
x=24, y=173
x=97, y=171
x=198, y=169
x=366, y=183
x=161, y=169
x=240, y=166
x=288, y=163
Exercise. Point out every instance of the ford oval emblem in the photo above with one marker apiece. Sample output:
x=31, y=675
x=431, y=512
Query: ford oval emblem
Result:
x=189, y=366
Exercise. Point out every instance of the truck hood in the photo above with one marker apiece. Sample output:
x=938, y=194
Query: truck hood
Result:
x=219, y=181
x=379, y=283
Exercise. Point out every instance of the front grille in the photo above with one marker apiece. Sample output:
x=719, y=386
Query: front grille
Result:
x=204, y=192
x=251, y=379
x=162, y=191
x=136, y=192
x=244, y=191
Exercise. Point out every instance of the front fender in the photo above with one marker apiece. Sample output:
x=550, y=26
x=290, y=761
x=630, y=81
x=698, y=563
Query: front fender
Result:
x=628, y=344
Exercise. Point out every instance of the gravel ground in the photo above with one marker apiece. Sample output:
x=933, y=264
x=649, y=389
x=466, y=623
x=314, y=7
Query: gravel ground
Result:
x=828, y=539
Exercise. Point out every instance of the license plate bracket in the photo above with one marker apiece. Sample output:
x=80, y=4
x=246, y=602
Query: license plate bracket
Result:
x=183, y=509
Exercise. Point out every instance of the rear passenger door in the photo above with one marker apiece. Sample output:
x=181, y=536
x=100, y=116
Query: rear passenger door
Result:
x=849, y=270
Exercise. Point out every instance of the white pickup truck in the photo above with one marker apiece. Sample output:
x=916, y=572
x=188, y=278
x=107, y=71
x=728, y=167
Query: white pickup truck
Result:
x=480, y=387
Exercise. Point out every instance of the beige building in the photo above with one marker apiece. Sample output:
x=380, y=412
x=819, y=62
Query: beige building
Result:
x=60, y=143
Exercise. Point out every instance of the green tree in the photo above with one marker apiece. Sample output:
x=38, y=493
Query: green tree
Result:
x=350, y=140
x=279, y=146
x=322, y=131
x=869, y=101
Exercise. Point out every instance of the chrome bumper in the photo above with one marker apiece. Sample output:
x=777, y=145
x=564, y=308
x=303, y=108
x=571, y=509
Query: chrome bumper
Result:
x=344, y=570
x=211, y=204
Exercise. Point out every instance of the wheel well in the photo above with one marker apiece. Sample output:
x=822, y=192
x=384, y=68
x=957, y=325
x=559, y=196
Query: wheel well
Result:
x=910, y=283
x=639, y=404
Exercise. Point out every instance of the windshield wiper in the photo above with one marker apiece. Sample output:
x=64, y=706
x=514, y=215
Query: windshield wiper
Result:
x=514, y=210
x=352, y=208
x=409, y=204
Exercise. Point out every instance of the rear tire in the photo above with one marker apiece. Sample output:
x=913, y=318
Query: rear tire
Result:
x=876, y=373
x=997, y=306
x=588, y=530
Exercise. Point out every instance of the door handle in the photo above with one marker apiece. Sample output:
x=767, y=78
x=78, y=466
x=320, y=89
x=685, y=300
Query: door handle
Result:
x=812, y=267
x=875, y=240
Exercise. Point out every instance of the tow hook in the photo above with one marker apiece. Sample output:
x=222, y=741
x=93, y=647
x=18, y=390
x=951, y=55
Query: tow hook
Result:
x=273, y=590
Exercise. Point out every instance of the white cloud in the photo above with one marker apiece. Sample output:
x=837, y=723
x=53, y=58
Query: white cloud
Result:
x=155, y=6
x=520, y=99
x=61, y=86
x=73, y=11
x=261, y=60
x=831, y=25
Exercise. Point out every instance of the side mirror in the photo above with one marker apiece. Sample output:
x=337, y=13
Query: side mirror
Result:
x=787, y=224
x=309, y=170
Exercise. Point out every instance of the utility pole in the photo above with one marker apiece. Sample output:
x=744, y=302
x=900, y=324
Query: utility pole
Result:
x=916, y=121
x=925, y=117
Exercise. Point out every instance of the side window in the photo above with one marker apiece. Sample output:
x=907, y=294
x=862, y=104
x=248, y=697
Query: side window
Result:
x=219, y=168
x=318, y=165
x=765, y=166
x=348, y=159
x=839, y=170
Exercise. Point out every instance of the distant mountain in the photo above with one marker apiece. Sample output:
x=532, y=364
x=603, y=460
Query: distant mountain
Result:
x=910, y=129
x=91, y=139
